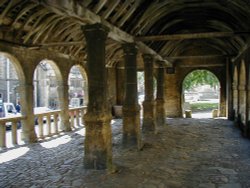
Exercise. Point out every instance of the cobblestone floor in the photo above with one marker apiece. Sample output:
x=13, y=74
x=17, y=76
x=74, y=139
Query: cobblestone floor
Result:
x=189, y=153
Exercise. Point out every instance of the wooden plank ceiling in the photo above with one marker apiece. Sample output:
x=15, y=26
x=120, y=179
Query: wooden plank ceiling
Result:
x=169, y=29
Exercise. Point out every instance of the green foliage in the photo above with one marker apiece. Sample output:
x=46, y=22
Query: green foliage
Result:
x=195, y=107
x=200, y=77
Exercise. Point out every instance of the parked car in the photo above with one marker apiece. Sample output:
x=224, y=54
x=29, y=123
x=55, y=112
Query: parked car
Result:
x=8, y=111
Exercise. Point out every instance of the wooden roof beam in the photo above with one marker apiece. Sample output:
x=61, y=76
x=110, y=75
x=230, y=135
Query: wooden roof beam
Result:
x=189, y=36
x=82, y=15
x=241, y=52
x=197, y=57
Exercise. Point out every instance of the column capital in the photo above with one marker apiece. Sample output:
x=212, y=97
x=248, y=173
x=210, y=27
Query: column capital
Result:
x=129, y=48
x=148, y=58
x=160, y=63
x=95, y=31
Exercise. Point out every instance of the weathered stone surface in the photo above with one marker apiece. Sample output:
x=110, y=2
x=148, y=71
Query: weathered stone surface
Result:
x=186, y=153
x=98, y=144
x=131, y=108
x=207, y=185
x=233, y=185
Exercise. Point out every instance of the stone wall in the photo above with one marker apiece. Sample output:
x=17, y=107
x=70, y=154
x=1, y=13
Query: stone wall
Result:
x=174, y=80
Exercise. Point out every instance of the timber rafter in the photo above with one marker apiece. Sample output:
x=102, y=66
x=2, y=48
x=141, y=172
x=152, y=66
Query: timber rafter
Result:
x=162, y=28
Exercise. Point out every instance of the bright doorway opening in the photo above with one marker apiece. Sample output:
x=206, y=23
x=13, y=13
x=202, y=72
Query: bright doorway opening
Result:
x=201, y=94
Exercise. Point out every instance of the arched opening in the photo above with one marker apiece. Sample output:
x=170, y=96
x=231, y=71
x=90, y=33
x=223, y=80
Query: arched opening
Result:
x=45, y=81
x=140, y=86
x=11, y=76
x=201, y=94
x=78, y=88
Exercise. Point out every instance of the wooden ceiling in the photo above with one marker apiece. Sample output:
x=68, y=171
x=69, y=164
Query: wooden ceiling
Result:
x=166, y=28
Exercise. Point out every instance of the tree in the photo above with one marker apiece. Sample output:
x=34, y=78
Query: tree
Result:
x=200, y=77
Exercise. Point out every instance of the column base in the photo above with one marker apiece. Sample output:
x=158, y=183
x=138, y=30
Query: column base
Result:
x=149, y=124
x=28, y=136
x=65, y=124
x=98, y=142
x=131, y=127
x=160, y=112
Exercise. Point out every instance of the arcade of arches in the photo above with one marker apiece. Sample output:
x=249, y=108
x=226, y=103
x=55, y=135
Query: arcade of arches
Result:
x=111, y=41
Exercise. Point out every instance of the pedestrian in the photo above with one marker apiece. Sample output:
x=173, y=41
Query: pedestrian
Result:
x=18, y=107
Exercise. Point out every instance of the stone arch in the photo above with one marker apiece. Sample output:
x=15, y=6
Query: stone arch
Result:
x=55, y=67
x=58, y=77
x=18, y=97
x=16, y=64
x=84, y=75
x=185, y=105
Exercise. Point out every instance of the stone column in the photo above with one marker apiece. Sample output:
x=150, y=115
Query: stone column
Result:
x=160, y=106
x=229, y=92
x=242, y=107
x=131, y=108
x=248, y=107
x=85, y=92
x=222, y=111
x=98, y=138
x=64, y=106
x=242, y=98
x=148, y=103
x=235, y=94
x=28, y=134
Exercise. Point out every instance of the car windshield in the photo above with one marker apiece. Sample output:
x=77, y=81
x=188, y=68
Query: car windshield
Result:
x=10, y=108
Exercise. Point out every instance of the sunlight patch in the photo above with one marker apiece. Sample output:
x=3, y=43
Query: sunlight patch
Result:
x=81, y=132
x=13, y=154
x=56, y=142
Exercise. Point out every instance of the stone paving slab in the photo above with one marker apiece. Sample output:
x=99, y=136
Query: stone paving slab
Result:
x=186, y=153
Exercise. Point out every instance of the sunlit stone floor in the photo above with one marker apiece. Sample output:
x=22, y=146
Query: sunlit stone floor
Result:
x=203, y=153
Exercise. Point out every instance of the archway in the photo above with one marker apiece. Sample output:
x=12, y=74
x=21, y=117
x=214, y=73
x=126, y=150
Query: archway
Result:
x=45, y=81
x=78, y=88
x=201, y=94
x=11, y=76
x=140, y=87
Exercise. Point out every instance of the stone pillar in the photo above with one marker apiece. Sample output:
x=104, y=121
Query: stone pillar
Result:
x=85, y=92
x=160, y=106
x=248, y=106
x=242, y=98
x=229, y=92
x=235, y=93
x=131, y=108
x=28, y=134
x=222, y=111
x=148, y=103
x=242, y=106
x=98, y=138
x=64, y=106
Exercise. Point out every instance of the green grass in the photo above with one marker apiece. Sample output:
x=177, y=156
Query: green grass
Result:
x=196, y=107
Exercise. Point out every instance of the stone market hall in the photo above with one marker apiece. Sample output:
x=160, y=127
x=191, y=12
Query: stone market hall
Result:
x=110, y=41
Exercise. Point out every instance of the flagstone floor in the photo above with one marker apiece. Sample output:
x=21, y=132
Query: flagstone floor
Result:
x=186, y=153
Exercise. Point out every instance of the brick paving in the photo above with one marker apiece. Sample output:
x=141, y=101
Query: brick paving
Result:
x=190, y=153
